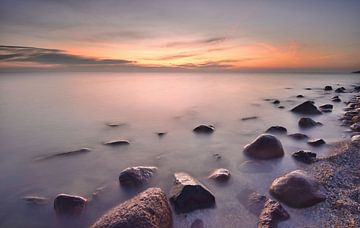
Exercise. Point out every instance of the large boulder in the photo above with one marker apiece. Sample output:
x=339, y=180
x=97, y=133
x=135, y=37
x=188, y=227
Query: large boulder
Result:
x=138, y=175
x=276, y=130
x=306, y=108
x=148, y=209
x=297, y=189
x=188, y=194
x=69, y=204
x=306, y=122
x=265, y=146
x=204, y=129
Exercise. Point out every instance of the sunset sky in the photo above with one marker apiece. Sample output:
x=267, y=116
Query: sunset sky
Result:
x=209, y=35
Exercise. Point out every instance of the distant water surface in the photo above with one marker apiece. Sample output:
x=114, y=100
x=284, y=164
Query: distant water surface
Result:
x=46, y=113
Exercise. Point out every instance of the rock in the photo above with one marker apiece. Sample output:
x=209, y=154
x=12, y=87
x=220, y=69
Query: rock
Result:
x=138, y=175
x=198, y=223
x=271, y=214
x=355, y=126
x=328, y=88
x=217, y=156
x=326, y=108
x=148, y=209
x=35, y=200
x=64, y=154
x=355, y=140
x=265, y=146
x=115, y=124
x=306, y=108
x=69, y=204
x=297, y=189
x=207, y=129
x=355, y=119
x=316, y=142
x=340, y=90
x=298, y=136
x=120, y=142
x=281, y=107
x=252, y=201
x=220, y=175
x=249, y=118
x=305, y=156
x=160, y=134
x=188, y=194
x=277, y=130
x=276, y=102
x=308, y=88
x=306, y=122
x=336, y=99
x=300, y=96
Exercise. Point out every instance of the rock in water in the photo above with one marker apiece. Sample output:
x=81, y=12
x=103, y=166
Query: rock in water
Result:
x=35, y=200
x=297, y=189
x=298, y=136
x=119, y=142
x=355, y=126
x=220, y=175
x=207, y=129
x=148, y=209
x=188, y=194
x=336, y=99
x=328, y=88
x=69, y=204
x=340, y=90
x=326, y=107
x=306, y=122
x=276, y=130
x=271, y=214
x=276, y=102
x=316, y=142
x=265, y=146
x=138, y=175
x=306, y=108
x=305, y=156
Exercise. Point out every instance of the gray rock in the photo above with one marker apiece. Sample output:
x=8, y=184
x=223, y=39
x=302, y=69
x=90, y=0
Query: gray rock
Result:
x=265, y=146
x=336, y=99
x=306, y=108
x=188, y=194
x=206, y=129
x=277, y=130
x=69, y=204
x=148, y=209
x=298, y=136
x=304, y=156
x=220, y=175
x=138, y=175
x=306, y=122
x=120, y=142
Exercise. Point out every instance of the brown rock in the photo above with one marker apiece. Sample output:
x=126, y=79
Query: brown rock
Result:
x=306, y=108
x=69, y=204
x=265, y=146
x=220, y=175
x=271, y=214
x=137, y=175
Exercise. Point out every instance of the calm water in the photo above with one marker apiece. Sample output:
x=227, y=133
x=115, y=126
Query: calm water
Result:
x=47, y=113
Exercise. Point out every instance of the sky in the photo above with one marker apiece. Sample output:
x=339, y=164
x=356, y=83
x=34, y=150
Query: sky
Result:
x=182, y=35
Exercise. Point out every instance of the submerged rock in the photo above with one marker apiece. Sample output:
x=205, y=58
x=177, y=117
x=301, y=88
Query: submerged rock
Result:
x=276, y=102
x=265, y=146
x=207, y=129
x=255, y=166
x=336, y=99
x=340, y=90
x=306, y=108
x=161, y=134
x=305, y=156
x=326, y=108
x=35, y=200
x=277, y=130
x=300, y=96
x=298, y=136
x=328, y=88
x=220, y=175
x=69, y=204
x=306, y=122
x=137, y=175
x=249, y=118
x=64, y=154
x=316, y=142
x=120, y=142
x=297, y=189
x=148, y=209
x=188, y=194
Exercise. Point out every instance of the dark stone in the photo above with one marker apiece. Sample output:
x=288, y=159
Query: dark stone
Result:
x=316, y=142
x=306, y=108
x=328, y=88
x=265, y=146
x=207, y=129
x=120, y=142
x=271, y=214
x=326, y=106
x=298, y=136
x=64, y=154
x=277, y=130
x=340, y=90
x=148, y=209
x=138, y=175
x=220, y=175
x=297, y=189
x=281, y=107
x=198, y=223
x=306, y=122
x=276, y=102
x=305, y=156
x=249, y=118
x=188, y=194
x=69, y=204
x=300, y=96
x=355, y=127
x=160, y=134
x=35, y=200
x=308, y=88
x=336, y=99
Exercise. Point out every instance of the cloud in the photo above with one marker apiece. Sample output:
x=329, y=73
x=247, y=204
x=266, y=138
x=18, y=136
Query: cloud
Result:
x=213, y=40
x=52, y=56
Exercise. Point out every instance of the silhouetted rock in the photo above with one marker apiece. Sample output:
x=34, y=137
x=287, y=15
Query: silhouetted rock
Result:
x=220, y=175
x=356, y=72
x=328, y=88
x=340, y=90
x=300, y=96
x=204, y=129
x=276, y=102
x=277, y=130
x=137, y=175
x=271, y=214
x=298, y=136
x=336, y=99
x=265, y=146
x=306, y=108
x=326, y=108
x=160, y=134
x=120, y=142
x=306, y=122
x=305, y=156
x=188, y=194
x=69, y=204
x=148, y=209
x=316, y=142
x=297, y=189
x=281, y=107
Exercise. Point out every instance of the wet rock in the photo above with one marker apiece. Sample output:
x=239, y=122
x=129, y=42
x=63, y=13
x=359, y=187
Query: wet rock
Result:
x=35, y=200
x=271, y=214
x=115, y=124
x=249, y=118
x=188, y=194
x=148, y=209
x=69, y=204
x=138, y=175
x=340, y=90
x=277, y=130
x=336, y=99
x=160, y=134
x=265, y=146
x=305, y=156
x=326, y=108
x=355, y=127
x=276, y=102
x=306, y=122
x=308, y=88
x=207, y=129
x=306, y=108
x=281, y=107
x=328, y=88
x=316, y=142
x=298, y=136
x=355, y=140
x=297, y=189
x=220, y=175
x=120, y=142
x=355, y=119
x=64, y=154
x=300, y=96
